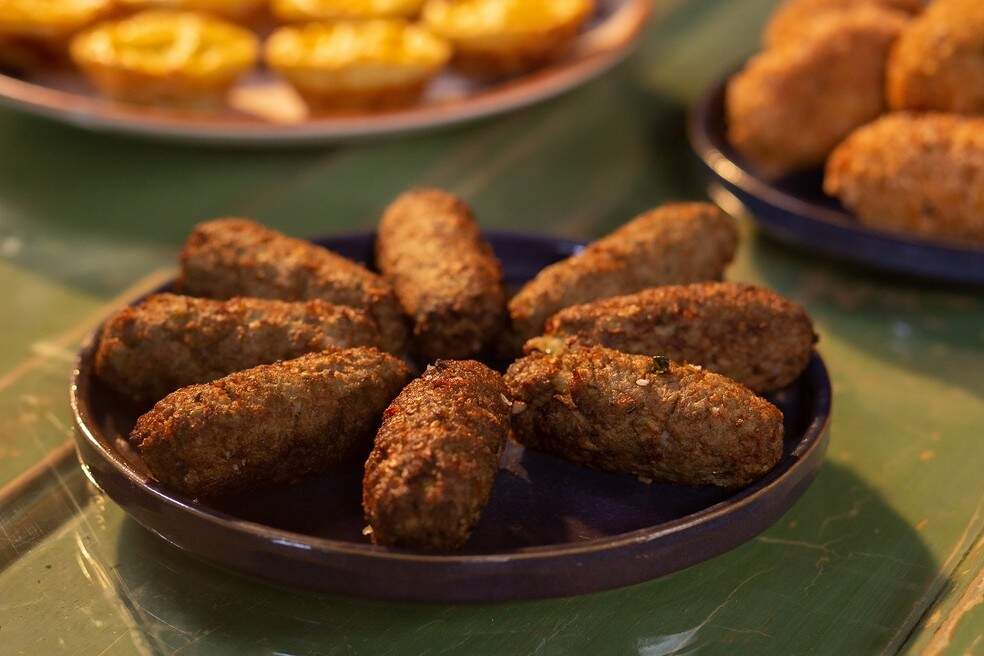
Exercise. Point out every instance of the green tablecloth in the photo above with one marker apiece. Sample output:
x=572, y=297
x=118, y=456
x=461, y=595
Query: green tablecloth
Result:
x=884, y=553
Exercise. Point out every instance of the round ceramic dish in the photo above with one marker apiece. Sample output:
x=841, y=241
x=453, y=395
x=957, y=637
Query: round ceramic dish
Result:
x=263, y=110
x=551, y=528
x=795, y=210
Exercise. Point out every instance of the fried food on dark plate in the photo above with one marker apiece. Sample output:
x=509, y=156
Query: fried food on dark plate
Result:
x=744, y=332
x=793, y=103
x=642, y=415
x=444, y=273
x=436, y=456
x=938, y=61
x=269, y=424
x=794, y=17
x=917, y=173
x=239, y=257
x=673, y=244
x=169, y=341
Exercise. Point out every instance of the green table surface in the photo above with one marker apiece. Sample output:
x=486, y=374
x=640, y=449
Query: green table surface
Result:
x=883, y=554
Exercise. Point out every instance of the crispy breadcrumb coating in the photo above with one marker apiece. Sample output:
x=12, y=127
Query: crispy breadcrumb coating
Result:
x=632, y=413
x=168, y=341
x=239, y=257
x=436, y=457
x=444, y=273
x=921, y=174
x=673, y=244
x=747, y=333
x=938, y=61
x=792, y=104
x=270, y=424
x=794, y=17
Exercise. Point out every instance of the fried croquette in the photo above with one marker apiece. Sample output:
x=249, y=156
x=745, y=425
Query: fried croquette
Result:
x=922, y=174
x=744, y=332
x=674, y=244
x=169, y=341
x=269, y=424
x=444, y=273
x=239, y=257
x=792, y=104
x=938, y=61
x=436, y=456
x=795, y=17
x=642, y=415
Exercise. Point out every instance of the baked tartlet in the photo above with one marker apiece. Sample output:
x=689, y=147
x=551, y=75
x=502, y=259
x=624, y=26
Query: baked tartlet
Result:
x=504, y=37
x=169, y=57
x=33, y=34
x=238, y=10
x=357, y=64
x=301, y=11
x=48, y=20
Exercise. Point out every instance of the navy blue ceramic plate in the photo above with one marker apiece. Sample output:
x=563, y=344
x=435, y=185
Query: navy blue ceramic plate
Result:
x=795, y=210
x=551, y=528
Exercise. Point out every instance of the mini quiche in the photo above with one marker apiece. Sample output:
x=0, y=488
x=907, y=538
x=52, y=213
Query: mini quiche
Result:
x=300, y=11
x=494, y=38
x=238, y=10
x=168, y=57
x=357, y=64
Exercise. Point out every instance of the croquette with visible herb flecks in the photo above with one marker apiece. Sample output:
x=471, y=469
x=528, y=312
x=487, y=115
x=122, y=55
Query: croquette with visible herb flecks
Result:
x=642, y=415
x=747, y=333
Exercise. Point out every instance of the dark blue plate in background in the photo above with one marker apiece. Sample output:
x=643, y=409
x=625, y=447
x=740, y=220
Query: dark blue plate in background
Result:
x=551, y=529
x=794, y=209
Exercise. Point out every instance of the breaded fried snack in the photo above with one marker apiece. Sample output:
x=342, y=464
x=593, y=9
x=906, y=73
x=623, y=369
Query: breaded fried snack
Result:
x=938, y=61
x=444, y=273
x=237, y=10
x=795, y=17
x=673, y=244
x=270, y=424
x=165, y=57
x=169, y=341
x=49, y=21
x=346, y=65
x=792, y=104
x=302, y=11
x=916, y=173
x=744, y=332
x=239, y=257
x=642, y=415
x=494, y=38
x=436, y=457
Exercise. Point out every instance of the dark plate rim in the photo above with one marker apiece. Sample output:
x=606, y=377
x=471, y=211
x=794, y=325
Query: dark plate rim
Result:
x=718, y=157
x=811, y=441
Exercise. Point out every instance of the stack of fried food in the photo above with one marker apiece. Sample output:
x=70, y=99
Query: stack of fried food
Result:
x=281, y=359
x=338, y=54
x=889, y=94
